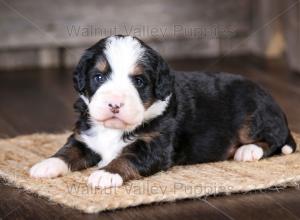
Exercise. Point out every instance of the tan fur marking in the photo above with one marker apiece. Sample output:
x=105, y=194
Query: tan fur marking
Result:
x=148, y=137
x=75, y=159
x=124, y=168
x=264, y=145
x=148, y=103
x=244, y=132
x=102, y=65
x=231, y=151
x=138, y=70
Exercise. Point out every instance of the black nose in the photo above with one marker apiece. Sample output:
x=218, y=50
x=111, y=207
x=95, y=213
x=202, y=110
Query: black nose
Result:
x=114, y=108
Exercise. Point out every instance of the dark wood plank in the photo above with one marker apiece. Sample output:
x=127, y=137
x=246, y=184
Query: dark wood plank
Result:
x=37, y=101
x=287, y=199
x=6, y=129
x=256, y=205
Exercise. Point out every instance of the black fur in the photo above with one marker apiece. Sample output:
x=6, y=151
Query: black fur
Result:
x=163, y=79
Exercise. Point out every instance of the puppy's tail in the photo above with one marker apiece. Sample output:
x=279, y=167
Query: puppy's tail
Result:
x=290, y=145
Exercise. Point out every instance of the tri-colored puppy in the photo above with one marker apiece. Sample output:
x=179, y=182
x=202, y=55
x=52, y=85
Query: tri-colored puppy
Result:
x=137, y=117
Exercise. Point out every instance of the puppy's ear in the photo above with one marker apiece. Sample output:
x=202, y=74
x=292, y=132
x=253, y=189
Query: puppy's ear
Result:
x=164, y=80
x=80, y=73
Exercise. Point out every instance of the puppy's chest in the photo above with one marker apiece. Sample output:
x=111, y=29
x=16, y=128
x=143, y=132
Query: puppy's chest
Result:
x=106, y=142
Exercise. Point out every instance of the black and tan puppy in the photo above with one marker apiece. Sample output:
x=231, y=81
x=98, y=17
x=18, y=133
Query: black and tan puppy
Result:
x=137, y=117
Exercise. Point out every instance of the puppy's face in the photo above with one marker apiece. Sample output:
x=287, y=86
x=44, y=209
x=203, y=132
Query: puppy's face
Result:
x=123, y=82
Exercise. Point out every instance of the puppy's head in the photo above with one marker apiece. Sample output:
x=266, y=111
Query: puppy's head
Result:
x=123, y=82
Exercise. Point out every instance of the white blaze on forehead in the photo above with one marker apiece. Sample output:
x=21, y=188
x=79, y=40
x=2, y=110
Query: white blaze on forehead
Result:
x=122, y=53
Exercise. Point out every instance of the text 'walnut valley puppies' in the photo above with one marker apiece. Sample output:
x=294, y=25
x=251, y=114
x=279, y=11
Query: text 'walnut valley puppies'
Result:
x=137, y=117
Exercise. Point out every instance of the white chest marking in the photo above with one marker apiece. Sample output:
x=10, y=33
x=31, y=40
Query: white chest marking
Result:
x=104, y=141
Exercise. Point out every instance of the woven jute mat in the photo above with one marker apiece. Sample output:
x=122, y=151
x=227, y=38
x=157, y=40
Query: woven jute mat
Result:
x=18, y=154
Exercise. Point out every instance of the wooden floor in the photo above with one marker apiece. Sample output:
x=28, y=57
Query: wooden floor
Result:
x=41, y=101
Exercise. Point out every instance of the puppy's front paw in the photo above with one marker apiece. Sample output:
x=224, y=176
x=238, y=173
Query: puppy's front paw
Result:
x=49, y=168
x=102, y=163
x=249, y=152
x=103, y=179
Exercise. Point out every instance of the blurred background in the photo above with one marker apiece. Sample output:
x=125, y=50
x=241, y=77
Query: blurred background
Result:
x=41, y=42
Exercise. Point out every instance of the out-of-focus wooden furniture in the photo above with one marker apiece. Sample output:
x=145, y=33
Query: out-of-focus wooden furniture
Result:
x=54, y=34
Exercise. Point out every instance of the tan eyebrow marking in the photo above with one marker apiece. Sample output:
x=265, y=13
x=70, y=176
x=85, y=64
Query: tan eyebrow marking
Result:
x=124, y=168
x=137, y=70
x=102, y=65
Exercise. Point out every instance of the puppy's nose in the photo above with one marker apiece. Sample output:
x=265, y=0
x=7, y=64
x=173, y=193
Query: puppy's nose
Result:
x=115, y=107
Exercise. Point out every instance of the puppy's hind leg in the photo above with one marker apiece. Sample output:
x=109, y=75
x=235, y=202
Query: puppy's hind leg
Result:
x=263, y=135
x=249, y=149
x=249, y=152
x=258, y=150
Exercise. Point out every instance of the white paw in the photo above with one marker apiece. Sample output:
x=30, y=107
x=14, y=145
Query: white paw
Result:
x=102, y=163
x=286, y=149
x=49, y=168
x=103, y=179
x=249, y=152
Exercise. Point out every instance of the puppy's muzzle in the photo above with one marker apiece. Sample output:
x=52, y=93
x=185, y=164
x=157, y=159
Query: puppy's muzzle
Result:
x=115, y=108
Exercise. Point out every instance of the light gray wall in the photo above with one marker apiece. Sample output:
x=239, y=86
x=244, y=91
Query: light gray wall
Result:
x=35, y=33
x=54, y=33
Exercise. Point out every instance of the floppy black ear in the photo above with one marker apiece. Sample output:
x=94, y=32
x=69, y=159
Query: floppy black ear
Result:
x=164, y=80
x=80, y=75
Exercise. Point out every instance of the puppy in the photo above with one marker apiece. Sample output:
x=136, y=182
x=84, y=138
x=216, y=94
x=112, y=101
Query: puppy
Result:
x=136, y=117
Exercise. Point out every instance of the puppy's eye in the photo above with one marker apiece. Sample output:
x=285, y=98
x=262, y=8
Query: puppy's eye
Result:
x=139, y=82
x=99, y=78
